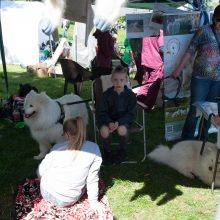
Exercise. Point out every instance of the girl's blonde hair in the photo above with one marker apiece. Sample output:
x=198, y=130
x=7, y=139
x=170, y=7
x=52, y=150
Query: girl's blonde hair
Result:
x=76, y=129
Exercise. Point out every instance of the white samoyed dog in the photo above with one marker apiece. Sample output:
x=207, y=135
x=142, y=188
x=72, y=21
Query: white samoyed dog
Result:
x=185, y=157
x=44, y=116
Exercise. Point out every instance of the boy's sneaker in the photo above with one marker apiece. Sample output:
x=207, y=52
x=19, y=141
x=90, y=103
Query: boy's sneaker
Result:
x=107, y=158
x=120, y=156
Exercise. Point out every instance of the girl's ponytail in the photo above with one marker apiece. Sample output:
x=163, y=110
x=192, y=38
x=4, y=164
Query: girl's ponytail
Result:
x=76, y=129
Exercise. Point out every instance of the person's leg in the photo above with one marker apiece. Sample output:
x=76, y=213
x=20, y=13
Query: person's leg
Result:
x=199, y=92
x=214, y=91
x=123, y=138
x=107, y=153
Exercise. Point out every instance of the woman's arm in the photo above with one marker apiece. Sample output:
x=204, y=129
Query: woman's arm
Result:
x=191, y=51
x=181, y=65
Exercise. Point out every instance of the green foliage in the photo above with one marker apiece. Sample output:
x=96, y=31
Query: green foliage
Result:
x=121, y=19
x=70, y=32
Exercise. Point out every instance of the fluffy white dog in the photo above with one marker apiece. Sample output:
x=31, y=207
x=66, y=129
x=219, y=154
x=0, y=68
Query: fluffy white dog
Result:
x=185, y=158
x=44, y=116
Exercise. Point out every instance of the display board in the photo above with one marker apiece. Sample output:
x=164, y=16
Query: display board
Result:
x=178, y=31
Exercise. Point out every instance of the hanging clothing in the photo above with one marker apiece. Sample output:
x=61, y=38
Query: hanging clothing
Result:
x=152, y=60
x=80, y=11
x=127, y=57
x=151, y=55
x=105, y=50
x=152, y=79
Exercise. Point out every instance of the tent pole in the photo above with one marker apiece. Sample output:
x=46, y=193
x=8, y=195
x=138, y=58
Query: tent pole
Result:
x=3, y=59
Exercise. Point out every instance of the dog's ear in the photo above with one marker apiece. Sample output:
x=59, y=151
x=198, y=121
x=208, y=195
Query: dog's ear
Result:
x=43, y=97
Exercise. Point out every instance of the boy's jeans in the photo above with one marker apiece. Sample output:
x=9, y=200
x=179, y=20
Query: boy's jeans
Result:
x=201, y=90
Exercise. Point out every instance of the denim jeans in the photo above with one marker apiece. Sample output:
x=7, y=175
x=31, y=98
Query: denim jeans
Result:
x=201, y=90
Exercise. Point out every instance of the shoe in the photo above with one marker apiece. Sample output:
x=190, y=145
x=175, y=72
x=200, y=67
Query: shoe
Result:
x=107, y=158
x=120, y=156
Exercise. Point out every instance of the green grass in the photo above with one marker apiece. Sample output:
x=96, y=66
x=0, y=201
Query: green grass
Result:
x=143, y=191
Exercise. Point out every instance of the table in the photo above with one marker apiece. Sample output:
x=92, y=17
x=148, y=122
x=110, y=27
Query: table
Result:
x=208, y=110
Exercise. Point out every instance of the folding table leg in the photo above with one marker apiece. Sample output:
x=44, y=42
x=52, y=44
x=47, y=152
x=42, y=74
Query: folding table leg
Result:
x=215, y=169
x=203, y=145
x=144, y=131
x=205, y=136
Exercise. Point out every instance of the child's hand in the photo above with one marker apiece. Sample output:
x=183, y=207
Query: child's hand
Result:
x=113, y=126
x=116, y=125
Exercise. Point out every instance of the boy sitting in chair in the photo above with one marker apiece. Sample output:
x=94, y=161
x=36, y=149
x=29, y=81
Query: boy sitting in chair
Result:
x=116, y=112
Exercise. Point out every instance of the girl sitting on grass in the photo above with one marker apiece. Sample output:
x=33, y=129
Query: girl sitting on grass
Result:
x=71, y=167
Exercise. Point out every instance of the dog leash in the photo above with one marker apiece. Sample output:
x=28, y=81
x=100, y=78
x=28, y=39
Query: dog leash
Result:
x=78, y=102
x=174, y=99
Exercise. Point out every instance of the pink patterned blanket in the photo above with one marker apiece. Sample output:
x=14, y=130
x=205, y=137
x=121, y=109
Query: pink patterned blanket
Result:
x=29, y=204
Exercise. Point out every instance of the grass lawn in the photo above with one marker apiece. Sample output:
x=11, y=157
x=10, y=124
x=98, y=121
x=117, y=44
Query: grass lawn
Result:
x=142, y=191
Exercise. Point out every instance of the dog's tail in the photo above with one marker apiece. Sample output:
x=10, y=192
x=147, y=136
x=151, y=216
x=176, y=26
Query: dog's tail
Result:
x=161, y=154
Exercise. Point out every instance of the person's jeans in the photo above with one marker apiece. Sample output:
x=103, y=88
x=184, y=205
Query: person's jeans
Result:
x=201, y=90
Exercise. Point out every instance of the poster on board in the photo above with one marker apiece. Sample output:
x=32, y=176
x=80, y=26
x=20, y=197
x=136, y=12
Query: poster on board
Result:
x=141, y=25
x=178, y=31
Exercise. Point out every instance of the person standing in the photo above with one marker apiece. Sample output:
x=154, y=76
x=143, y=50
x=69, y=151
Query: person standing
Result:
x=205, y=83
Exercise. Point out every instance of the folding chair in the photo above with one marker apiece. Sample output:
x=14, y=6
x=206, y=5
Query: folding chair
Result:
x=99, y=85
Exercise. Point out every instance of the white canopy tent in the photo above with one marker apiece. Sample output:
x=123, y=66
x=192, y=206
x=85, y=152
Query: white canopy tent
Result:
x=21, y=31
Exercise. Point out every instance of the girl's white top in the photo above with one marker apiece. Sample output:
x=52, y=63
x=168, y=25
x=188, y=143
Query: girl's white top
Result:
x=65, y=178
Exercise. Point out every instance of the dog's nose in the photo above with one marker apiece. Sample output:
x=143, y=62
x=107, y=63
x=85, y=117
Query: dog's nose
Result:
x=210, y=168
